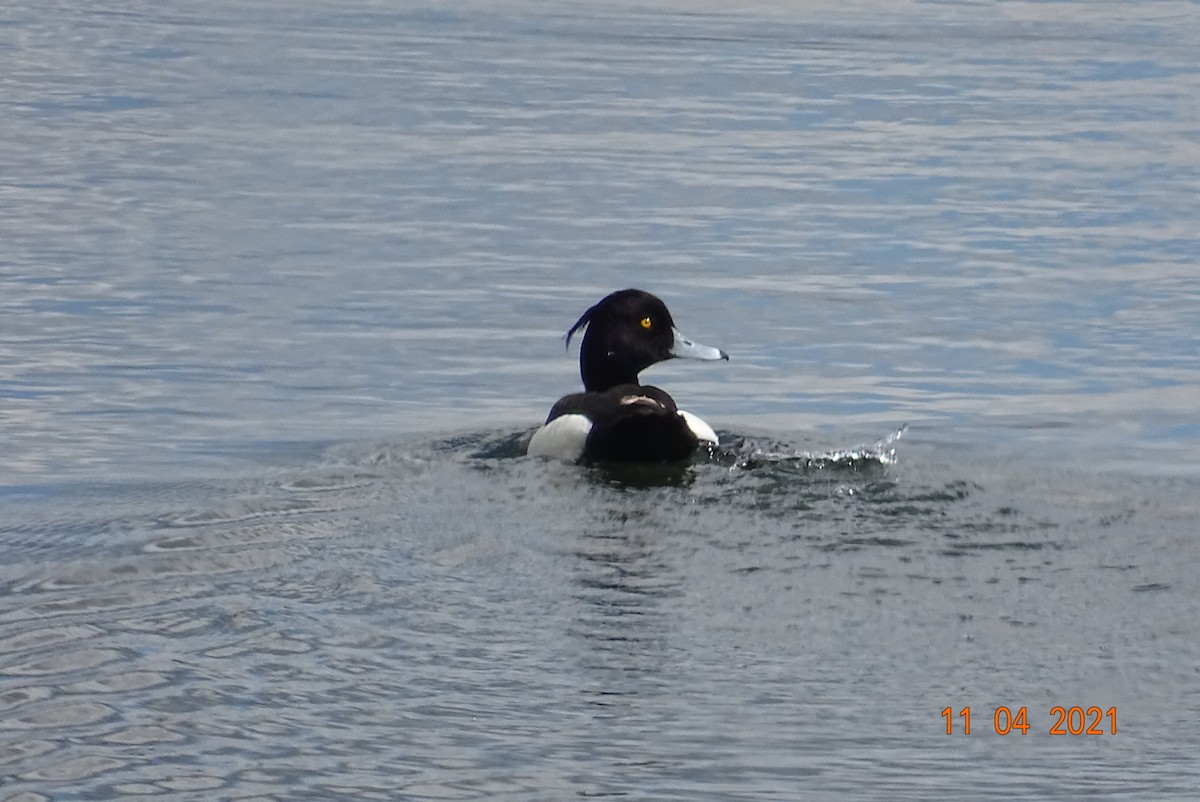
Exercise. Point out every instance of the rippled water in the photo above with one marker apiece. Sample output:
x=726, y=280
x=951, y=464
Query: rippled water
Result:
x=282, y=294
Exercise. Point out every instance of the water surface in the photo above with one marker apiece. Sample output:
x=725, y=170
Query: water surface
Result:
x=283, y=291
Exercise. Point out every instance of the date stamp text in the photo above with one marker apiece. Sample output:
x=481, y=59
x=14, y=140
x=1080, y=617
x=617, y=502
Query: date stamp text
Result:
x=1061, y=721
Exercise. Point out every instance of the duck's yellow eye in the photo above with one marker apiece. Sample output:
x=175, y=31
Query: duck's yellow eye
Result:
x=646, y=322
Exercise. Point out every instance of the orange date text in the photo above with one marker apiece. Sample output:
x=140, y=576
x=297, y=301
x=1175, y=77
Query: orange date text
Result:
x=1061, y=721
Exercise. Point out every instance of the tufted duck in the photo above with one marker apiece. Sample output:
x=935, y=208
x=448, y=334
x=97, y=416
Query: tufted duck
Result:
x=616, y=418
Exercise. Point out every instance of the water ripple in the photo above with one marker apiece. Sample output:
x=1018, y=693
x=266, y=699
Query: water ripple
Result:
x=282, y=292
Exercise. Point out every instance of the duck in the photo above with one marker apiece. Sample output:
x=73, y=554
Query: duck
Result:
x=617, y=418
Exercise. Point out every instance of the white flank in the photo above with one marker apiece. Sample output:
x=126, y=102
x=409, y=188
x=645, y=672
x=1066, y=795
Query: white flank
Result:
x=562, y=438
x=702, y=430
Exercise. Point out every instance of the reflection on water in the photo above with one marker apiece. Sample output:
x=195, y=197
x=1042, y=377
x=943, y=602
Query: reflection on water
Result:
x=282, y=291
x=396, y=619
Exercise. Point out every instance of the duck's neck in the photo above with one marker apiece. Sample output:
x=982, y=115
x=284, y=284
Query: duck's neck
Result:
x=602, y=371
